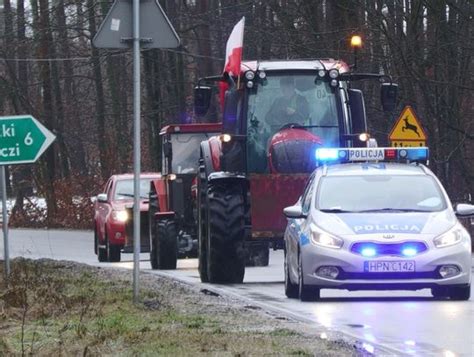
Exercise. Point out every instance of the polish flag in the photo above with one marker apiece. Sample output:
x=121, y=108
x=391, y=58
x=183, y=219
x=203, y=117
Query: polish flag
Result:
x=233, y=53
x=233, y=56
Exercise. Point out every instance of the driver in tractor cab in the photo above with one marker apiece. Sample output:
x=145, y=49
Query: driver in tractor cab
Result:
x=289, y=108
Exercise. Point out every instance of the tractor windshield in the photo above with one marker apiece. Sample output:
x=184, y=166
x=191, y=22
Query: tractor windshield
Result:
x=285, y=100
x=185, y=148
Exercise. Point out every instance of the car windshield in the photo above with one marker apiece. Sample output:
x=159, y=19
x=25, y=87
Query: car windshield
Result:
x=186, y=152
x=379, y=194
x=124, y=189
x=289, y=99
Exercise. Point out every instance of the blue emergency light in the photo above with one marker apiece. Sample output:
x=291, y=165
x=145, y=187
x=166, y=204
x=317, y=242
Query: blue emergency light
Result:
x=342, y=155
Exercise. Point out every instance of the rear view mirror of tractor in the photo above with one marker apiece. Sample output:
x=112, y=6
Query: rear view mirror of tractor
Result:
x=229, y=124
x=202, y=99
x=389, y=95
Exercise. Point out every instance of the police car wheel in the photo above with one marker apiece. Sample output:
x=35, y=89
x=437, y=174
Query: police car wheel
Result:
x=306, y=292
x=460, y=292
x=291, y=289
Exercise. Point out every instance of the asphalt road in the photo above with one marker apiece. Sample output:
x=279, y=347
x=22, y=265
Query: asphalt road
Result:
x=386, y=323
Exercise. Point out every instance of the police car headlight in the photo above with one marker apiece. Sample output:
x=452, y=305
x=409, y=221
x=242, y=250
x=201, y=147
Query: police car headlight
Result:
x=452, y=237
x=120, y=216
x=324, y=239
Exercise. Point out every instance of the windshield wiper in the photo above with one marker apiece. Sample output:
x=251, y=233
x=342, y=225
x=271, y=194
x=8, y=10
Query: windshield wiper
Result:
x=335, y=210
x=393, y=210
x=129, y=195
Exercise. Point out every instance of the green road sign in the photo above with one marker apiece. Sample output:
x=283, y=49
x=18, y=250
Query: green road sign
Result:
x=22, y=139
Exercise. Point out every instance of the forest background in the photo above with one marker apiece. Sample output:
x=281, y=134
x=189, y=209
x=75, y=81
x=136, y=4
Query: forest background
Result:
x=49, y=69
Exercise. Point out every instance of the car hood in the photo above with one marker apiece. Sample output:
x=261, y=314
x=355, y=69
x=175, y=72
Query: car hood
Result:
x=388, y=224
x=124, y=204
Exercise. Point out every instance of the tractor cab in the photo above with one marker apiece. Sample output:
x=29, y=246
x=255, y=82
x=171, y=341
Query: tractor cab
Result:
x=172, y=214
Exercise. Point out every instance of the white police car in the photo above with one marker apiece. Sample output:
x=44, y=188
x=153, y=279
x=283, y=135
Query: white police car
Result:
x=376, y=225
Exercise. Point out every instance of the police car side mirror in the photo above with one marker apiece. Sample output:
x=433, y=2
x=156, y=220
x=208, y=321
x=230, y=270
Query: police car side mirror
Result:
x=102, y=198
x=294, y=212
x=464, y=210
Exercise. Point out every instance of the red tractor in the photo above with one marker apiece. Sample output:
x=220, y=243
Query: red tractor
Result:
x=172, y=197
x=275, y=115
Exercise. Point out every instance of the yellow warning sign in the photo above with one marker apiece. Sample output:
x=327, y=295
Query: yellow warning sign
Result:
x=408, y=131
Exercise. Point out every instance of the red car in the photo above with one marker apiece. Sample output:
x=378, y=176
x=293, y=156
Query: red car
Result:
x=113, y=210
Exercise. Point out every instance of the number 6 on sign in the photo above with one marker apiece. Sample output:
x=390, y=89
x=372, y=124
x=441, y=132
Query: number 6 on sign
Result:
x=28, y=139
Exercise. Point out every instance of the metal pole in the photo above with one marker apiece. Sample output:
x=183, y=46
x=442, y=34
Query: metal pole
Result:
x=136, y=149
x=6, y=254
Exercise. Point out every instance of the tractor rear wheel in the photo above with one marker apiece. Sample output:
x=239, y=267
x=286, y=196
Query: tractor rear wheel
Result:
x=164, y=245
x=225, y=240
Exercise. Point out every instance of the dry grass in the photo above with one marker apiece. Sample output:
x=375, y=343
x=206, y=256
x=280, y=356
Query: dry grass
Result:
x=61, y=308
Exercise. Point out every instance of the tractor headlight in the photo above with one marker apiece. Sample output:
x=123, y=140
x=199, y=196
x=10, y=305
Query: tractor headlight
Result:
x=250, y=75
x=120, y=216
x=333, y=73
x=319, y=237
x=452, y=237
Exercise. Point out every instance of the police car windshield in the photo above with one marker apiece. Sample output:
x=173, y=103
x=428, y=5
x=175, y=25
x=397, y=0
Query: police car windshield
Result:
x=387, y=193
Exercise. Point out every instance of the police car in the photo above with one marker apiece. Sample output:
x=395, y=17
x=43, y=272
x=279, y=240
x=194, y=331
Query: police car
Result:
x=376, y=219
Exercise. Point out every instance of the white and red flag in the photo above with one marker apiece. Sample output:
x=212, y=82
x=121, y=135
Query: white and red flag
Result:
x=234, y=48
x=233, y=55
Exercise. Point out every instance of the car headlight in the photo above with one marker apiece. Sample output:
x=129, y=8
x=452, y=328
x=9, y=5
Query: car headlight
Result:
x=452, y=237
x=319, y=237
x=120, y=216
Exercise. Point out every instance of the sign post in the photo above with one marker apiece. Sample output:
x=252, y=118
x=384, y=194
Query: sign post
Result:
x=137, y=24
x=23, y=140
x=136, y=149
x=6, y=250
x=407, y=130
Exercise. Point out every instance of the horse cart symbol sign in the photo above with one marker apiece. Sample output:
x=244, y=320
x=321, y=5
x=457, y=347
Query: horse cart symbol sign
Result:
x=407, y=131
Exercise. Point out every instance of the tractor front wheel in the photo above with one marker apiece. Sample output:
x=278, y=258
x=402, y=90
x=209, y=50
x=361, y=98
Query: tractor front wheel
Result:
x=164, y=245
x=225, y=234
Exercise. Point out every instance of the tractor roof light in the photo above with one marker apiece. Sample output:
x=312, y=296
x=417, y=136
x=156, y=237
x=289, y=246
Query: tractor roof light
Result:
x=333, y=73
x=321, y=73
x=356, y=41
x=249, y=75
x=262, y=75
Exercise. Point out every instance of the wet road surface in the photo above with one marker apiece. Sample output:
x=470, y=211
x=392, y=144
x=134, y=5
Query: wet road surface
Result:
x=385, y=322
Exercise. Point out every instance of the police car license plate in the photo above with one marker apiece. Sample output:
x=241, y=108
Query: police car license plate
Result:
x=397, y=266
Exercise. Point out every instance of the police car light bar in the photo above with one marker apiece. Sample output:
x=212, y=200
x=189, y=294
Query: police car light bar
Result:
x=341, y=155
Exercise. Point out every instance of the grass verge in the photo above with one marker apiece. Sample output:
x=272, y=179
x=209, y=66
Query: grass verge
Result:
x=64, y=308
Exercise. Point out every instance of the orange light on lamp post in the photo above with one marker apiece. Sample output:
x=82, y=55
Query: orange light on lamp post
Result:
x=356, y=43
